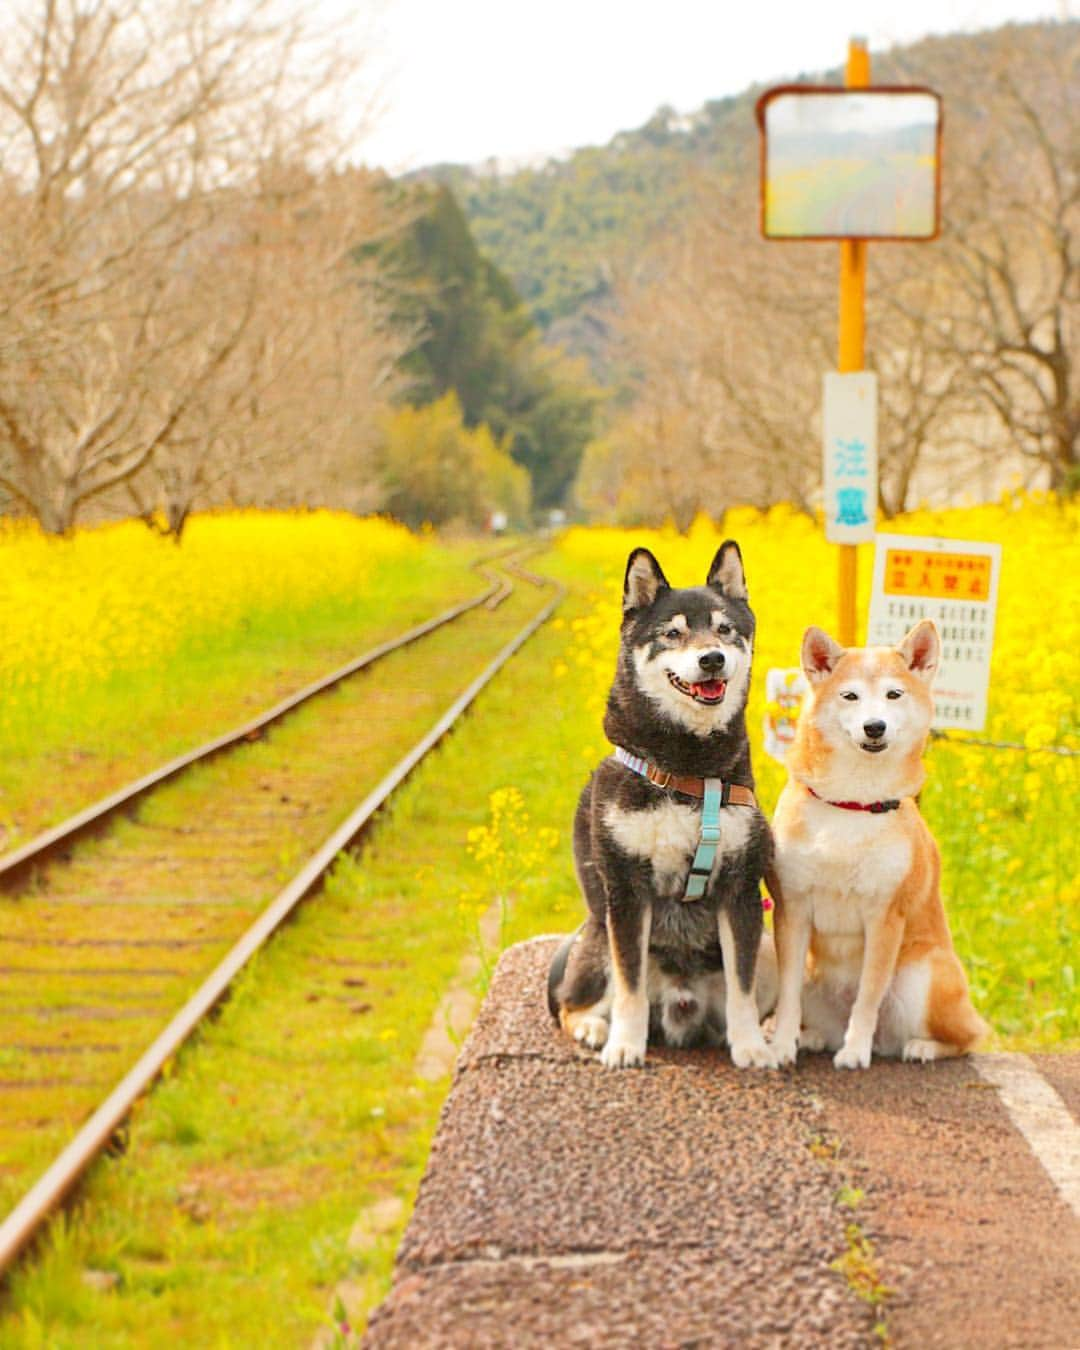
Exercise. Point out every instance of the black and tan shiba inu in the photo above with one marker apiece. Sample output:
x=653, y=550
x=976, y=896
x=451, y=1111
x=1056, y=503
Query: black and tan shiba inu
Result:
x=664, y=950
x=858, y=869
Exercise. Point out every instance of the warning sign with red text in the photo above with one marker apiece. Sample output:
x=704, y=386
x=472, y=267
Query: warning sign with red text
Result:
x=955, y=583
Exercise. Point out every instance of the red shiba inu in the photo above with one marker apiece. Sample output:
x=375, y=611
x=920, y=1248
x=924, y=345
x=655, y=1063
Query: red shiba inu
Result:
x=857, y=869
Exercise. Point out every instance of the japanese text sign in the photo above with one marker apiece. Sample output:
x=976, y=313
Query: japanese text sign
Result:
x=850, y=449
x=955, y=583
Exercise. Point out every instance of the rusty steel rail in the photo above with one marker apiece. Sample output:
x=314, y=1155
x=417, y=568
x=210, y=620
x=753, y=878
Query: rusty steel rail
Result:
x=59, y=1179
x=15, y=864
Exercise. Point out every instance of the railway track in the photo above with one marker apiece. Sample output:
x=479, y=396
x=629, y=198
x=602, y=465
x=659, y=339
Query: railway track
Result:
x=103, y=939
x=19, y=863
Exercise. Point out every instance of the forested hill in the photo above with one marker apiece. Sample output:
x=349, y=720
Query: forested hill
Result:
x=558, y=231
x=561, y=232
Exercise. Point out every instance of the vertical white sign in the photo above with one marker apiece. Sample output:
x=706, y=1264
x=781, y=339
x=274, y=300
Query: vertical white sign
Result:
x=955, y=583
x=849, y=443
x=784, y=694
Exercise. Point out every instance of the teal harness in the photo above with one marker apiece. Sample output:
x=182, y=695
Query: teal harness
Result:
x=715, y=796
x=705, y=853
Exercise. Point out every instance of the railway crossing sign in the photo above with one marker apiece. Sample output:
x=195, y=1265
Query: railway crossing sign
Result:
x=955, y=583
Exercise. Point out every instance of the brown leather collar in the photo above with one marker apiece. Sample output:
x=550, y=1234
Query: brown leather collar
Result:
x=734, y=793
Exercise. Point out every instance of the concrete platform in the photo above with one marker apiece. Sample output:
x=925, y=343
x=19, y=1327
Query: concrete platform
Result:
x=690, y=1204
x=686, y=1204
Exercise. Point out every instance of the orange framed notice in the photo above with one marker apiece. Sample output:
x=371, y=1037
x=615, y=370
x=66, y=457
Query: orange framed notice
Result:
x=955, y=583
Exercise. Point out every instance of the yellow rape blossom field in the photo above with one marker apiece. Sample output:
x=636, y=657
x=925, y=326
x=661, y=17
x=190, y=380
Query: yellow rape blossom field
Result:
x=1006, y=819
x=79, y=609
x=121, y=648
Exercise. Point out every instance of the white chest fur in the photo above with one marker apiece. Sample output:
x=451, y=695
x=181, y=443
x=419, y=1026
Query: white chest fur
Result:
x=668, y=834
x=842, y=864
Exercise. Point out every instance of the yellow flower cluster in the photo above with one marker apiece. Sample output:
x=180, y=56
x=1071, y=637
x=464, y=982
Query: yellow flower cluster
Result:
x=508, y=848
x=791, y=574
x=119, y=598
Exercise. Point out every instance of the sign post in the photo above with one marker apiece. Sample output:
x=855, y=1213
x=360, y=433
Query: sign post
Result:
x=852, y=163
x=852, y=353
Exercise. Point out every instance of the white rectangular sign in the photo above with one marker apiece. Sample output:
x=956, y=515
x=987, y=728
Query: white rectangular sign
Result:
x=849, y=442
x=955, y=583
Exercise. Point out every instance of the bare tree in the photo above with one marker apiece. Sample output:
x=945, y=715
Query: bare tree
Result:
x=141, y=150
x=925, y=404
x=1006, y=322
x=290, y=415
x=975, y=337
x=726, y=337
x=1014, y=251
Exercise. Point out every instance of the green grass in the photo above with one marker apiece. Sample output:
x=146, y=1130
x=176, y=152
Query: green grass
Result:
x=134, y=921
x=1009, y=881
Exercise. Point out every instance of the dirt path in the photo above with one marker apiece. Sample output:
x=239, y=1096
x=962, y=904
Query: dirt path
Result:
x=692, y=1205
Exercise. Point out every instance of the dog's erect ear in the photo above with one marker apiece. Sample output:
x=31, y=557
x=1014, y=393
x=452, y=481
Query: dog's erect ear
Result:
x=921, y=650
x=819, y=654
x=726, y=572
x=644, y=581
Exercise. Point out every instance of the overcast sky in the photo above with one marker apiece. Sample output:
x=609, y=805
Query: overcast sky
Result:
x=463, y=80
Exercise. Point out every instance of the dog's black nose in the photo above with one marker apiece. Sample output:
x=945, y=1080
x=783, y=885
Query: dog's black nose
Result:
x=711, y=660
x=874, y=730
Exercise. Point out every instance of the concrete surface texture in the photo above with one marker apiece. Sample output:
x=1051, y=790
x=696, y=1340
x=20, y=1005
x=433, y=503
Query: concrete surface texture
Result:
x=693, y=1204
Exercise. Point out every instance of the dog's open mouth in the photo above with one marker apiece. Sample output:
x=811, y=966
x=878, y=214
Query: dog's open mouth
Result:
x=874, y=747
x=709, y=692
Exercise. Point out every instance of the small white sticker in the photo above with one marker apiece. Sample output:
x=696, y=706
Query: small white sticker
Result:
x=784, y=694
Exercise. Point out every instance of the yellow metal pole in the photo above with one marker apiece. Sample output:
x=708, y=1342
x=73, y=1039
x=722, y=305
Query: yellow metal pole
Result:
x=852, y=346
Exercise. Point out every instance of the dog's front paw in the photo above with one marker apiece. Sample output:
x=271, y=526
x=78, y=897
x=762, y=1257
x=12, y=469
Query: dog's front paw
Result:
x=786, y=1050
x=754, y=1054
x=923, y=1051
x=591, y=1031
x=852, y=1057
x=623, y=1052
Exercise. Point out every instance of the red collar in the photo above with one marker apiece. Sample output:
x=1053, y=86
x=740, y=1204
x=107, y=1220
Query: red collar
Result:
x=876, y=808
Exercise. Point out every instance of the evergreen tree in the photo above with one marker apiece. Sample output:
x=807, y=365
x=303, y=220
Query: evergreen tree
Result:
x=475, y=339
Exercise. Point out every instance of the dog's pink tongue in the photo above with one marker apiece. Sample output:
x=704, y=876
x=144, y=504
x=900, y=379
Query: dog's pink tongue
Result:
x=713, y=689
